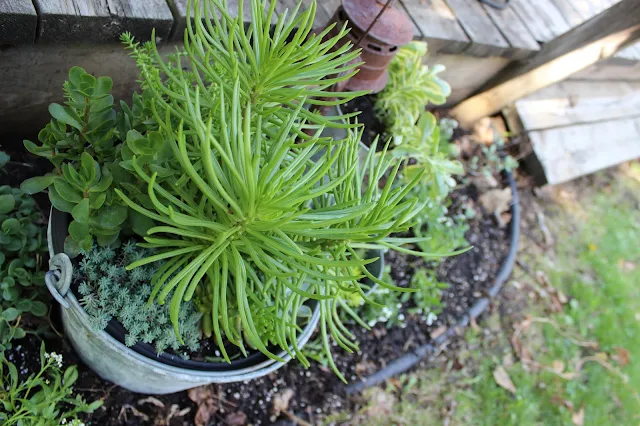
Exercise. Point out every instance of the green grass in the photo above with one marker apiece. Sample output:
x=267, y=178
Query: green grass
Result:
x=596, y=263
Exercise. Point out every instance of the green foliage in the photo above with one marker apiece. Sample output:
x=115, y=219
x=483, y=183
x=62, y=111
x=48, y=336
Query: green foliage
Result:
x=246, y=221
x=82, y=143
x=411, y=87
x=44, y=398
x=110, y=291
x=22, y=247
x=493, y=161
x=424, y=301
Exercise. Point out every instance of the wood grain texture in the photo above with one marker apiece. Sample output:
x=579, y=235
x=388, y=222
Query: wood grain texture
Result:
x=596, y=39
x=542, y=17
x=578, y=102
x=523, y=43
x=18, y=21
x=486, y=39
x=610, y=69
x=569, y=152
x=438, y=25
x=99, y=21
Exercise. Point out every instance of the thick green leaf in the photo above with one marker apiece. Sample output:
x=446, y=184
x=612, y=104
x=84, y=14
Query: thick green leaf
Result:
x=7, y=203
x=37, y=184
x=11, y=226
x=110, y=217
x=58, y=202
x=70, y=376
x=78, y=230
x=140, y=223
x=39, y=309
x=10, y=314
x=66, y=191
x=64, y=114
x=4, y=159
x=81, y=211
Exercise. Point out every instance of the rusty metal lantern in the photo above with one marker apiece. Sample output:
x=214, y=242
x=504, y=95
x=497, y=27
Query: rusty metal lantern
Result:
x=379, y=42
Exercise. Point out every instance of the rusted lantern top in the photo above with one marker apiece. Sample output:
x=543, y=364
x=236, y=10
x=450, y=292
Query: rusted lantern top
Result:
x=392, y=28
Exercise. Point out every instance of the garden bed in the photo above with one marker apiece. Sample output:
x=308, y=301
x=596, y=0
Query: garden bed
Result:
x=317, y=390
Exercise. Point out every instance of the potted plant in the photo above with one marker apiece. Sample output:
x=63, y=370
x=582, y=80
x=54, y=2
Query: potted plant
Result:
x=221, y=170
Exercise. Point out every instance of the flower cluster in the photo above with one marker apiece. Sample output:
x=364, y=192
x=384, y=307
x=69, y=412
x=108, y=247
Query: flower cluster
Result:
x=57, y=358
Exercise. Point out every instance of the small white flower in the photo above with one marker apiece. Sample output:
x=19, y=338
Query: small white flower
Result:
x=46, y=381
x=63, y=421
x=431, y=318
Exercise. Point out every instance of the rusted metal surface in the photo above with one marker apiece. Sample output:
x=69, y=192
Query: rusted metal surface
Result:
x=379, y=29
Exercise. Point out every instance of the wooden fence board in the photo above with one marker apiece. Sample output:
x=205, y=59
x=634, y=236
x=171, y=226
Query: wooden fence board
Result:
x=486, y=39
x=522, y=43
x=568, y=152
x=98, y=21
x=542, y=17
x=437, y=24
x=578, y=102
x=18, y=21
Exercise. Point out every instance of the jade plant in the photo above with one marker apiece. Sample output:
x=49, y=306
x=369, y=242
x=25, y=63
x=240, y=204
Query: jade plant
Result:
x=22, y=249
x=247, y=209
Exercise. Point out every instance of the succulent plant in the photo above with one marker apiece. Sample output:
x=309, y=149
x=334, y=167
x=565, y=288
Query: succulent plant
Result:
x=82, y=142
x=22, y=247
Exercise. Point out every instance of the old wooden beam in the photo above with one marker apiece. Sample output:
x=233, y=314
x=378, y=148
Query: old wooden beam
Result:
x=100, y=21
x=18, y=21
x=486, y=38
x=598, y=38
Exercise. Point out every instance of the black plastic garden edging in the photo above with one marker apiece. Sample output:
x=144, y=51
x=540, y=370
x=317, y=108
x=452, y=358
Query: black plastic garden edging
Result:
x=408, y=360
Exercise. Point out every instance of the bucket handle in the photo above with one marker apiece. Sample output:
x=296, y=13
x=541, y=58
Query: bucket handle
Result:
x=58, y=278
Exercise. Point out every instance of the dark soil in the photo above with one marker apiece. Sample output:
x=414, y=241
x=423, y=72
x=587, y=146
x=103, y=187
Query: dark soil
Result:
x=373, y=126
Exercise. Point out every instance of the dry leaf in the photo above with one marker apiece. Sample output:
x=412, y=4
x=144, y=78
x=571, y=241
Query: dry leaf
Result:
x=484, y=182
x=496, y=201
x=503, y=380
x=578, y=417
x=483, y=131
x=438, y=332
x=236, y=419
x=207, y=407
x=281, y=401
x=558, y=366
x=622, y=356
x=381, y=404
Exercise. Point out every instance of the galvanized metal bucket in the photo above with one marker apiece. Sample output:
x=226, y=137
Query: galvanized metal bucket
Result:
x=115, y=362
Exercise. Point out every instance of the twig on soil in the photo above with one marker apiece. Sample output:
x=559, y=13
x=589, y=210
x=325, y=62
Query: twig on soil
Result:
x=297, y=420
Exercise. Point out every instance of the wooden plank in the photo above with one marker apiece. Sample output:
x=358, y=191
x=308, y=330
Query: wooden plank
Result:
x=578, y=102
x=569, y=152
x=438, y=25
x=542, y=17
x=598, y=38
x=569, y=12
x=18, y=21
x=486, y=39
x=523, y=44
x=99, y=21
x=610, y=69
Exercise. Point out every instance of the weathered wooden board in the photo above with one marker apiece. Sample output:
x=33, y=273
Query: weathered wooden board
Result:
x=569, y=152
x=596, y=39
x=523, y=44
x=542, y=17
x=98, y=21
x=486, y=39
x=610, y=69
x=578, y=102
x=18, y=21
x=438, y=25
